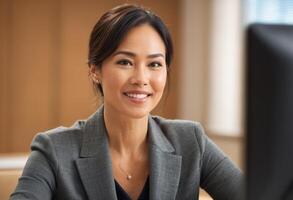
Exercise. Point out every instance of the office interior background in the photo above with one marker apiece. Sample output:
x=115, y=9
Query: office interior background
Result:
x=44, y=75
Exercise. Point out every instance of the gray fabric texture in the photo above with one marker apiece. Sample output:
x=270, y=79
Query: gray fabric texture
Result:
x=74, y=163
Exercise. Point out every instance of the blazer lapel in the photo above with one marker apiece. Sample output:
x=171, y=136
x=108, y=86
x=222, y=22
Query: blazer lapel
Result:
x=94, y=165
x=165, y=166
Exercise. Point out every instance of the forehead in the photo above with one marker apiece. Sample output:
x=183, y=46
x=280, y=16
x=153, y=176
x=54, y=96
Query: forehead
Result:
x=142, y=39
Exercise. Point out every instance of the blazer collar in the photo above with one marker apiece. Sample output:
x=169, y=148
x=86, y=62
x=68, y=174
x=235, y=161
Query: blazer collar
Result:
x=157, y=137
x=165, y=165
x=95, y=166
x=95, y=136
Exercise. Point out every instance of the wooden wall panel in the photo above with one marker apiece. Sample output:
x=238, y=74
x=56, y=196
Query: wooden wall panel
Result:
x=3, y=74
x=44, y=80
x=28, y=70
x=76, y=95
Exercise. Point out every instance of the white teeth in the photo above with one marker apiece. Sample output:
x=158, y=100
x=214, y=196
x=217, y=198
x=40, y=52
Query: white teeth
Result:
x=137, y=96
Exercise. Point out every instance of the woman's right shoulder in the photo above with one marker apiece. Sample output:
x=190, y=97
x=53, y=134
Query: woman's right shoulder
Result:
x=60, y=139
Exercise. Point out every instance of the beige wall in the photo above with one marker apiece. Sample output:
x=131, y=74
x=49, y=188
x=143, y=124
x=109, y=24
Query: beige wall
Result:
x=195, y=20
x=198, y=21
x=43, y=71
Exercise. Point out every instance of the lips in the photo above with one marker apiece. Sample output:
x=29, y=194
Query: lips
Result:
x=137, y=95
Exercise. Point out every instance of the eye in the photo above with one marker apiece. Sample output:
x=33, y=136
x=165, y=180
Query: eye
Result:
x=155, y=65
x=124, y=62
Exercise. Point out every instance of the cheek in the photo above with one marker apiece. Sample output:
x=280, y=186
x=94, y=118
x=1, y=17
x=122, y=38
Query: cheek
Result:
x=114, y=81
x=160, y=81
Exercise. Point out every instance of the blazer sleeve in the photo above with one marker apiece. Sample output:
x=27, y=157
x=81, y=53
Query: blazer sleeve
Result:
x=38, y=177
x=220, y=177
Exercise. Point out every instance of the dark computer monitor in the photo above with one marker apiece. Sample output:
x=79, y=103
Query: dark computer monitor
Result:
x=269, y=112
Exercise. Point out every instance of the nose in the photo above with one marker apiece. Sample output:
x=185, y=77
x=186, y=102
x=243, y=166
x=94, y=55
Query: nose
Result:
x=139, y=76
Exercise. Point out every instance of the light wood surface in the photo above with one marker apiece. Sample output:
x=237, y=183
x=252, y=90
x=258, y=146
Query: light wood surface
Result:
x=8, y=181
x=13, y=161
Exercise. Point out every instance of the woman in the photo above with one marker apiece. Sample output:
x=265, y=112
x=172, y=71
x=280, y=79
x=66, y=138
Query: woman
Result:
x=121, y=151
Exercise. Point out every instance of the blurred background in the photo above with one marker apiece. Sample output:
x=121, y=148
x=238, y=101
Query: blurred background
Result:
x=44, y=76
x=44, y=79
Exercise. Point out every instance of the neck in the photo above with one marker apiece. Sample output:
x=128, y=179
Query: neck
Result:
x=127, y=136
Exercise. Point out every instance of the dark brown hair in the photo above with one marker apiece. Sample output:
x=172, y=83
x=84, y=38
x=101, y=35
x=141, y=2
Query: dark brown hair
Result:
x=112, y=27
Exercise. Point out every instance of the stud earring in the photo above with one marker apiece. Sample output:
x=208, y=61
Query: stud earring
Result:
x=95, y=78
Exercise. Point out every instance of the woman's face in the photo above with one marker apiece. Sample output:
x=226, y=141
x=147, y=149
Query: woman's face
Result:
x=134, y=76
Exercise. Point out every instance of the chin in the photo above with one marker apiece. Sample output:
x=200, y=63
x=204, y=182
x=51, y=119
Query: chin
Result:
x=137, y=113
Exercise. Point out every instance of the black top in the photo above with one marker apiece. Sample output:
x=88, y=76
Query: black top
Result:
x=122, y=195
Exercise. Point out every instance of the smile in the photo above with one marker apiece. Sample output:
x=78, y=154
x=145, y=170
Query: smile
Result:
x=137, y=96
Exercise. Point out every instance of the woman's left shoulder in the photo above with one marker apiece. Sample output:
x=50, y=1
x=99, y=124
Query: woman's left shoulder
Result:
x=178, y=128
x=176, y=123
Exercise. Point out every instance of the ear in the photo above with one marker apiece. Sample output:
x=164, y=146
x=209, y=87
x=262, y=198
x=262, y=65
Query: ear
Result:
x=95, y=74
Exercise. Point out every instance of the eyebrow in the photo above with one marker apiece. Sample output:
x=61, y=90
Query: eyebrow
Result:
x=131, y=54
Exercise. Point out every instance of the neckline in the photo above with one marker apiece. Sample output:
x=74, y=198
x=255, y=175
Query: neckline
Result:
x=144, y=192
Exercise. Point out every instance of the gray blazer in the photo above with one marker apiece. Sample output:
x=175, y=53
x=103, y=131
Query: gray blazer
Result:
x=74, y=163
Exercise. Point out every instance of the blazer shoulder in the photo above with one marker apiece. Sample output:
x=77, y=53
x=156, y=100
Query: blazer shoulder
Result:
x=161, y=119
x=182, y=131
x=62, y=131
x=179, y=125
x=59, y=140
